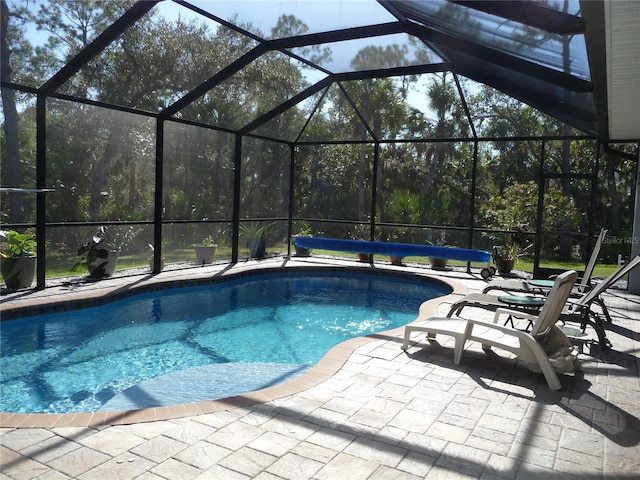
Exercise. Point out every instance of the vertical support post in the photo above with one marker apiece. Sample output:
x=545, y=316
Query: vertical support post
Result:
x=158, y=195
x=634, y=275
x=41, y=178
x=236, y=199
x=291, y=196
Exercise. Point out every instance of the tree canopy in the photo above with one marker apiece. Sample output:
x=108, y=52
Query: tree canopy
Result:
x=101, y=162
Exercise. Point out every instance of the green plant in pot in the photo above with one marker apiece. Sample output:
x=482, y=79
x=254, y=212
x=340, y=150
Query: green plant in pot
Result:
x=508, y=215
x=362, y=232
x=258, y=236
x=505, y=256
x=99, y=255
x=304, y=231
x=438, y=263
x=206, y=251
x=18, y=264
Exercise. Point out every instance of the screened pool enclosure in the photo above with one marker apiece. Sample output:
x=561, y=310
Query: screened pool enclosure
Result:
x=176, y=123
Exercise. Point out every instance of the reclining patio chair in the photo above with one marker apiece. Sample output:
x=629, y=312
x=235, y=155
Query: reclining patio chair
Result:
x=536, y=286
x=544, y=348
x=578, y=308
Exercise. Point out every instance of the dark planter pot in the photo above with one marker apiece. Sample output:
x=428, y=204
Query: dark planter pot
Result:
x=395, y=260
x=18, y=272
x=302, y=252
x=205, y=253
x=438, y=263
x=102, y=262
x=364, y=257
x=257, y=248
x=504, y=265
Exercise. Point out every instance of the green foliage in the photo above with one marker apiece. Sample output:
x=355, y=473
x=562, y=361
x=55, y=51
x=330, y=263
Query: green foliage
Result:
x=88, y=251
x=16, y=244
x=303, y=229
x=208, y=241
x=258, y=231
x=102, y=163
x=515, y=212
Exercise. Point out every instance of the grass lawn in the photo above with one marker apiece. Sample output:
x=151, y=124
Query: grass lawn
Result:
x=60, y=265
x=524, y=264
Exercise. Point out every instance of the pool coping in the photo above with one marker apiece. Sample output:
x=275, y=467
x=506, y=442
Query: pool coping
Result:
x=328, y=366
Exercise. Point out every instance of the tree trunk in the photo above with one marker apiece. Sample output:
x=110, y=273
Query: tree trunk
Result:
x=614, y=215
x=99, y=174
x=362, y=162
x=132, y=201
x=14, y=172
x=565, y=241
x=432, y=156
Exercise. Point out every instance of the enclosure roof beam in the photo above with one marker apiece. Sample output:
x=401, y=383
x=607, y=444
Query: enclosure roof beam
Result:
x=135, y=13
x=347, y=76
x=546, y=102
x=333, y=36
x=219, y=20
x=450, y=46
x=279, y=45
x=283, y=107
x=357, y=110
x=529, y=13
x=223, y=74
x=465, y=105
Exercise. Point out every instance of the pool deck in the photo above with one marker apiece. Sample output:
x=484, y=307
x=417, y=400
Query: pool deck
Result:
x=368, y=410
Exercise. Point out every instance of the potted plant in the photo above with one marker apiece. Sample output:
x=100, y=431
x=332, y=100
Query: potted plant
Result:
x=257, y=236
x=305, y=231
x=361, y=232
x=438, y=263
x=398, y=235
x=395, y=260
x=206, y=251
x=507, y=218
x=505, y=256
x=99, y=254
x=18, y=264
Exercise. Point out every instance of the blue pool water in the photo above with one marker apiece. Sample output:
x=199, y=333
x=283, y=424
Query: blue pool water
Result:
x=222, y=339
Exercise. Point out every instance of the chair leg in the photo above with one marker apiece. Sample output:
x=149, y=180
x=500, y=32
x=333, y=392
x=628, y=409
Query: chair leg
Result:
x=458, y=348
x=407, y=334
x=550, y=376
x=604, y=309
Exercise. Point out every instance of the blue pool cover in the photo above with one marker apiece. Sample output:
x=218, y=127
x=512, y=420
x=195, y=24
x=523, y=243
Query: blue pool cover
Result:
x=393, y=249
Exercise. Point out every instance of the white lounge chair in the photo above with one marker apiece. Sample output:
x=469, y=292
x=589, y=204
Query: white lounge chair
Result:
x=578, y=308
x=523, y=285
x=544, y=348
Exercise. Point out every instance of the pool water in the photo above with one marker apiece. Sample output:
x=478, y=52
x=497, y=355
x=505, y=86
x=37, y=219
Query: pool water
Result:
x=84, y=360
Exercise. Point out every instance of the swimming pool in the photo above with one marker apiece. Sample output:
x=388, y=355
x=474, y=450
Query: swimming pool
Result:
x=195, y=343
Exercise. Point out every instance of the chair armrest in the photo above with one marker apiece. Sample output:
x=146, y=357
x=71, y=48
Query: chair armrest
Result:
x=501, y=328
x=514, y=313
